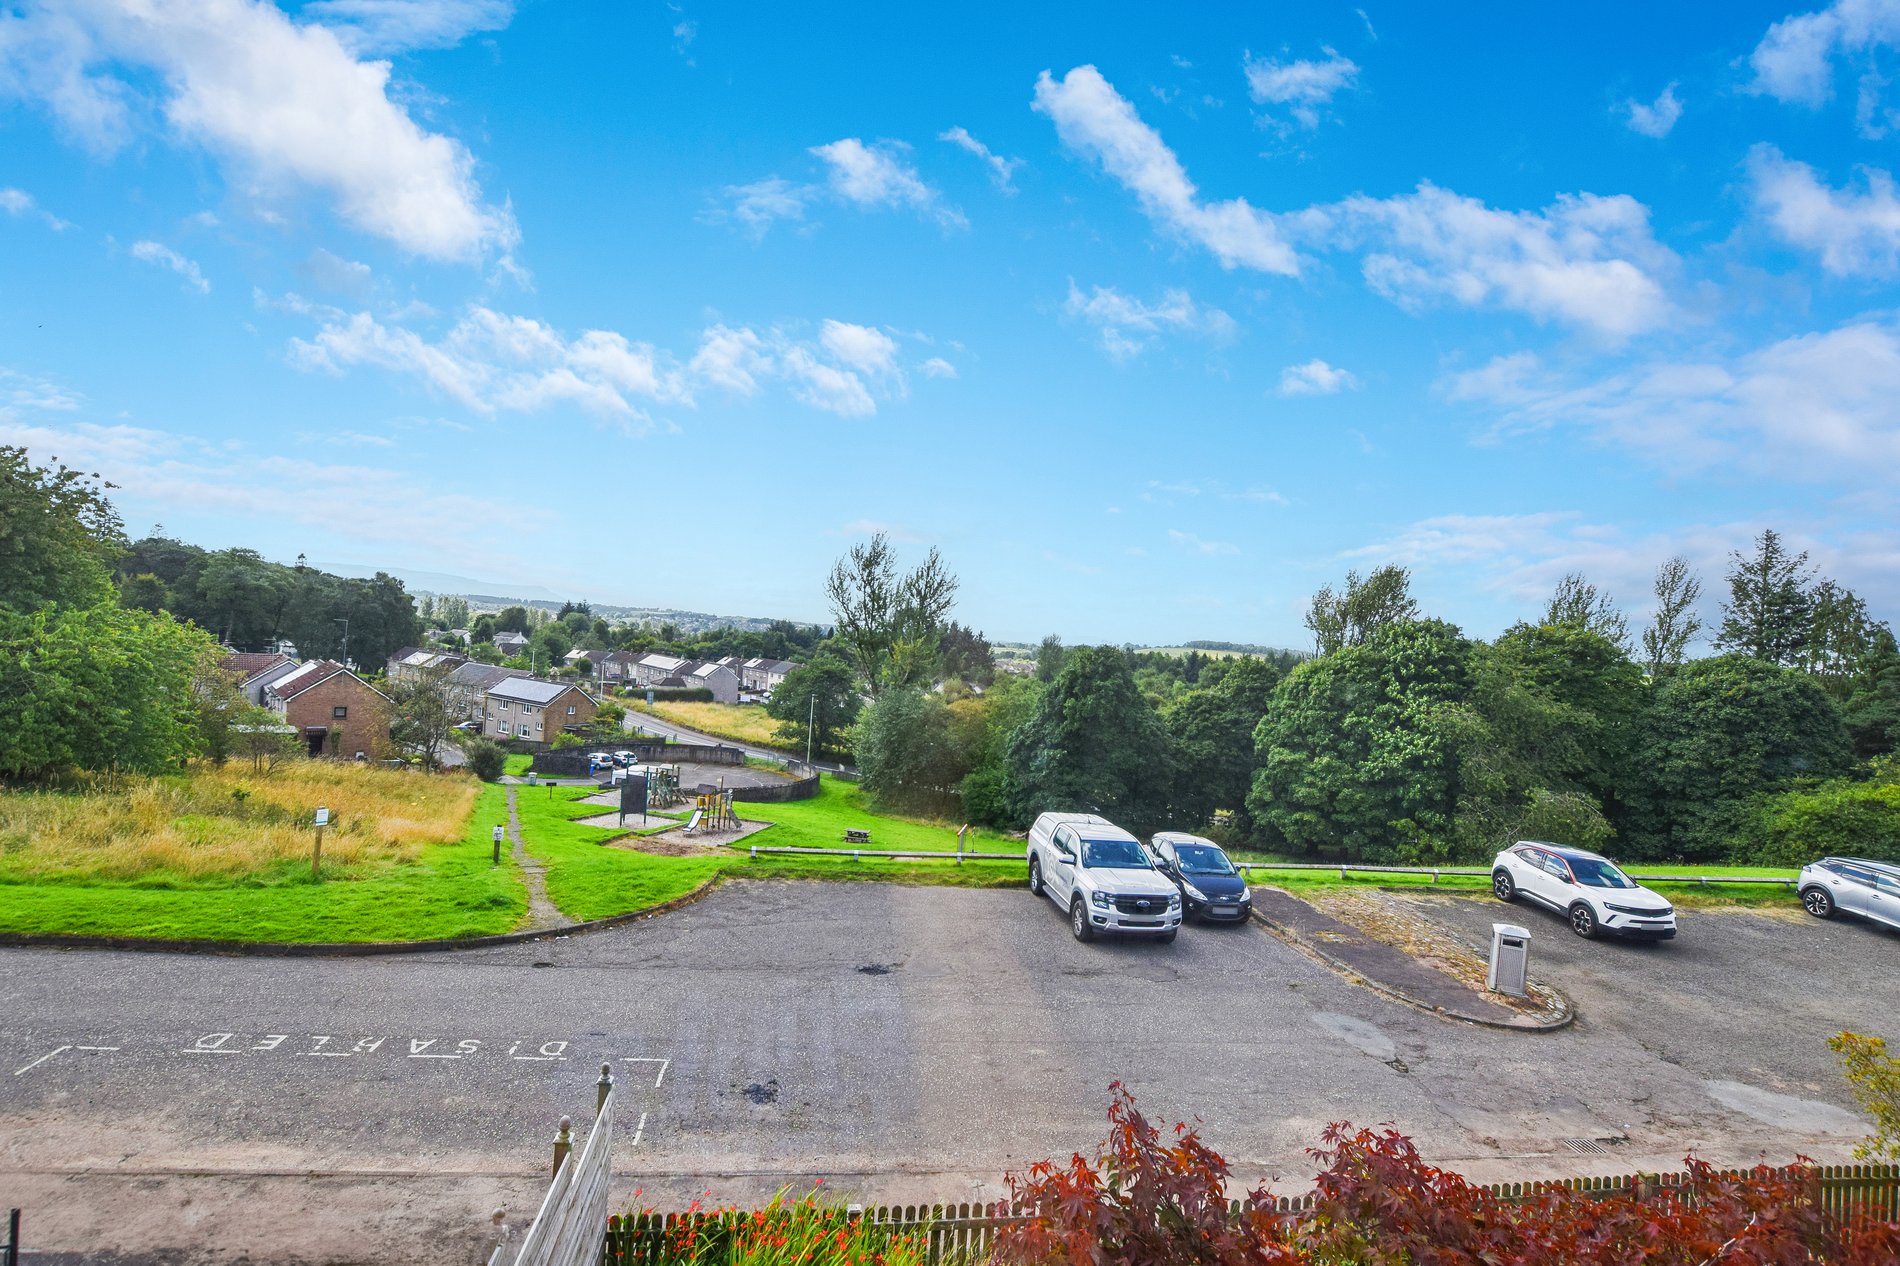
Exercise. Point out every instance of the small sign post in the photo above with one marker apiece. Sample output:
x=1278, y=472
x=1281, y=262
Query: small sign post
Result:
x=960, y=833
x=497, y=838
x=316, y=850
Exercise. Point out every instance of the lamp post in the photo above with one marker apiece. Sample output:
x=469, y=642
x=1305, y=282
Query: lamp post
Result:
x=346, y=639
x=811, y=724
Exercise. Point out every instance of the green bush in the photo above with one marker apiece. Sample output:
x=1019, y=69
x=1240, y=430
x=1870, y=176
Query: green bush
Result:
x=485, y=757
x=1858, y=819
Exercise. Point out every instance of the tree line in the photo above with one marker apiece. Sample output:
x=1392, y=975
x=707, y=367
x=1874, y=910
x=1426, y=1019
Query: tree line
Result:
x=1403, y=740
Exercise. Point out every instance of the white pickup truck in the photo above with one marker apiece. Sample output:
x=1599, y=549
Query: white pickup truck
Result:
x=1102, y=876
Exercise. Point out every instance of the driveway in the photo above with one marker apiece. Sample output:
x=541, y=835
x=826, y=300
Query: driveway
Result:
x=905, y=1043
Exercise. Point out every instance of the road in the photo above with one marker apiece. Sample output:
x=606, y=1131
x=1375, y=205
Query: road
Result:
x=905, y=1043
x=646, y=722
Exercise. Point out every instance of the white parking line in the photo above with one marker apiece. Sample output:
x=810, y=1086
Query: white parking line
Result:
x=638, y=1130
x=41, y=1060
x=663, y=1063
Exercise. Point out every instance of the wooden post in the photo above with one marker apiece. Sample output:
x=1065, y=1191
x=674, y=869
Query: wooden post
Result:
x=497, y=843
x=316, y=850
x=563, y=1144
x=603, y=1087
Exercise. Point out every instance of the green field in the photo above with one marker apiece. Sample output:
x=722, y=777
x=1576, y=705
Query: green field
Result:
x=448, y=891
x=588, y=881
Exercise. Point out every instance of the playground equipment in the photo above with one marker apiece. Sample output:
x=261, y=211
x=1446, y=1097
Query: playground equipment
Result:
x=713, y=815
x=663, y=786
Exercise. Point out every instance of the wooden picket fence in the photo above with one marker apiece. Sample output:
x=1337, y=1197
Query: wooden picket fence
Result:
x=567, y=1226
x=965, y=1233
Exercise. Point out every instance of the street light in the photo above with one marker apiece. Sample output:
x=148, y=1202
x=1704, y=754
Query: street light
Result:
x=346, y=639
x=811, y=724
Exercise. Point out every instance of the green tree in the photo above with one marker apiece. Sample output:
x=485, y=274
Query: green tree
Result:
x=983, y=729
x=1049, y=656
x=1872, y=709
x=486, y=758
x=906, y=755
x=1769, y=610
x=1875, y=1076
x=1213, y=731
x=1357, y=751
x=144, y=592
x=1674, y=625
x=889, y=626
x=819, y=699
x=59, y=535
x=1578, y=604
x=1094, y=744
x=1716, y=733
x=423, y=716
x=1351, y=618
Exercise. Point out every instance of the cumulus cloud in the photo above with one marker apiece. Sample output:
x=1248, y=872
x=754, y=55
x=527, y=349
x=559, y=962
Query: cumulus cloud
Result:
x=1001, y=169
x=938, y=367
x=285, y=105
x=379, y=27
x=18, y=202
x=1855, y=234
x=1794, y=61
x=876, y=176
x=163, y=256
x=1301, y=86
x=1585, y=260
x=1097, y=122
x=491, y=362
x=1127, y=325
x=1655, y=118
x=763, y=203
x=1824, y=405
x=1316, y=378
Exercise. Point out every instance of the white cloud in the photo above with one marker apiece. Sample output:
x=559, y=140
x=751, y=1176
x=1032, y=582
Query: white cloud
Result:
x=1585, y=260
x=938, y=367
x=1855, y=234
x=336, y=275
x=1316, y=378
x=376, y=27
x=761, y=204
x=1794, y=61
x=286, y=105
x=874, y=176
x=1096, y=121
x=1189, y=541
x=491, y=362
x=860, y=346
x=165, y=257
x=1001, y=169
x=20, y=391
x=1127, y=325
x=18, y=202
x=1657, y=118
x=1302, y=86
x=1824, y=405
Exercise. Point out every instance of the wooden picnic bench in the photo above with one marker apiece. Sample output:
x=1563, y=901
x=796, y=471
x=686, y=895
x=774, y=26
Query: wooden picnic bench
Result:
x=855, y=836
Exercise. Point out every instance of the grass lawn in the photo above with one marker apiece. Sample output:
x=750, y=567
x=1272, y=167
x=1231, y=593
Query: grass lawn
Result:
x=587, y=881
x=742, y=723
x=517, y=764
x=387, y=881
x=840, y=805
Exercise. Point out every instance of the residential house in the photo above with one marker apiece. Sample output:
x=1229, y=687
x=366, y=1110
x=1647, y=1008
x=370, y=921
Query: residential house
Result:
x=332, y=710
x=618, y=666
x=412, y=664
x=651, y=670
x=762, y=676
x=255, y=671
x=721, y=680
x=510, y=643
x=536, y=711
x=468, y=686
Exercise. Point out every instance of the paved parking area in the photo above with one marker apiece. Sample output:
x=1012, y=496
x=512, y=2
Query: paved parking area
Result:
x=905, y=1043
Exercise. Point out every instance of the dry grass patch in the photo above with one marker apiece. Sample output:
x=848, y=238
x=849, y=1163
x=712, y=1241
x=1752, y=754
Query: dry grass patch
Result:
x=225, y=825
x=744, y=723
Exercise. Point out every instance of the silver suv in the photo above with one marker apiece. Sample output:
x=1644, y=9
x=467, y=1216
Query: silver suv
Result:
x=1854, y=886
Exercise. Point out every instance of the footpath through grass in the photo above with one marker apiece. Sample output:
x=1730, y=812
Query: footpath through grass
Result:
x=586, y=879
x=441, y=889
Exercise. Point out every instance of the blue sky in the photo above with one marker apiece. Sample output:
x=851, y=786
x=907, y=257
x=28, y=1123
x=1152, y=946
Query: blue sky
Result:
x=1151, y=322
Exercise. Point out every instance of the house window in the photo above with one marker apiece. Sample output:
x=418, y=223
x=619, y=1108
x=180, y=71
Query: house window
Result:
x=339, y=713
x=570, y=709
x=537, y=728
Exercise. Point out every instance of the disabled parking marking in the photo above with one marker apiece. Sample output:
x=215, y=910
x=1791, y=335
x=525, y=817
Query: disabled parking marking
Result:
x=58, y=1050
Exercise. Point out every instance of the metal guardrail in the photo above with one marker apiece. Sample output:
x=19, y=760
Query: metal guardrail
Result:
x=1436, y=872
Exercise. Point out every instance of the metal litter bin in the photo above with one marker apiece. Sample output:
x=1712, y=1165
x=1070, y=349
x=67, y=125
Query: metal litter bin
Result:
x=1510, y=957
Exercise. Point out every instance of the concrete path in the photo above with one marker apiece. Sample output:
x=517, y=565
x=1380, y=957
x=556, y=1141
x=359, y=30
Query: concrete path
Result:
x=542, y=914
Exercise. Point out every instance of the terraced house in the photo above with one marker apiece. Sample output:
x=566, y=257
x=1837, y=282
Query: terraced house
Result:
x=535, y=711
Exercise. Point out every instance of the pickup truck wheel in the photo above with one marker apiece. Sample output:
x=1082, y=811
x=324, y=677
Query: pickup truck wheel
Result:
x=1035, y=875
x=1079, y=921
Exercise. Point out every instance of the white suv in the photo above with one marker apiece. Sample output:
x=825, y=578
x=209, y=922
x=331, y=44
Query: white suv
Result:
x=1102, y=876
x=1585, y=887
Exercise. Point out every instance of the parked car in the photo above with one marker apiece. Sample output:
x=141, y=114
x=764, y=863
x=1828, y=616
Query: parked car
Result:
x=599, y=760
x=1852, y=885
x=1102, y=876
x=1211, y=887
x=1585, y=887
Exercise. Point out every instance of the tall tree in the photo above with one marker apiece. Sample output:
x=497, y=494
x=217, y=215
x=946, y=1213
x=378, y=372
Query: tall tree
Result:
x=1213, y=738
x=890, y=625
x=817, y=700
x=1351, y=618
x=59, y=535
x=1674, y=625
x=1768, y=612
x=423, y=715
x=906, y=756
x=1049, y=654
x=1094, y=744
x=1578, y=604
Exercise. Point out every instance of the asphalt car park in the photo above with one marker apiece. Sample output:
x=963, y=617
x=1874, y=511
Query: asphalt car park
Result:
x=905, y=1043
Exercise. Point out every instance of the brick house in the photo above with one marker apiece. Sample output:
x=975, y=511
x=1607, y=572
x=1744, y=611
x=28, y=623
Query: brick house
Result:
x=333, y=711
x=255, y=671
x=468, y=686
x=535, y=711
